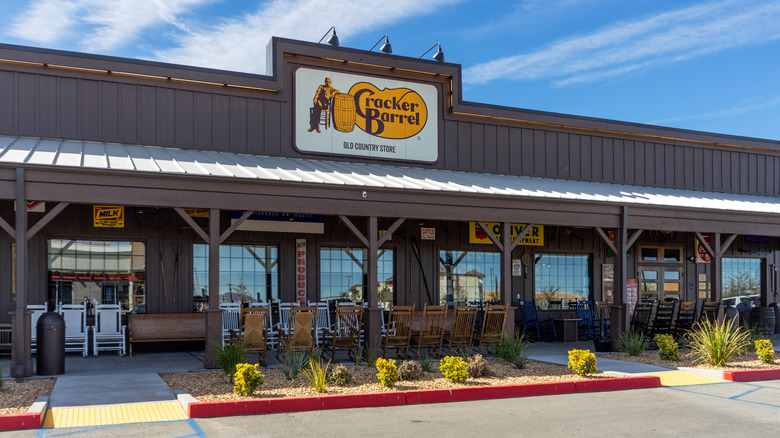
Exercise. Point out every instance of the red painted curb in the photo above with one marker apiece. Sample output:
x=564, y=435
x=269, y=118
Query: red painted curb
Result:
x=21, y=421
x=618, y=383
x=486, y=392
x=751, y=375
x=297, y=404
x=294, y=404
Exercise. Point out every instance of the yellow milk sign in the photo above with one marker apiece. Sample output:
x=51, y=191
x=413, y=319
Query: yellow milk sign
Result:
x=108, y=216
x=535, y=237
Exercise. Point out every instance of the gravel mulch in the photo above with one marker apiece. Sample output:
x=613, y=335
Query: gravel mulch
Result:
x=214, y=385
x=16, y=398
x=747, y=361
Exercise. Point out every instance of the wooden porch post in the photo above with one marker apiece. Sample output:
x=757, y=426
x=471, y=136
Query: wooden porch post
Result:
x=506, y=277
x=21, y=361
x=213, y=314
x=373, y=242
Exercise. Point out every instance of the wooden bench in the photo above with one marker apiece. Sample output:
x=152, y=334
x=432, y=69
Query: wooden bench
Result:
x=164, y=327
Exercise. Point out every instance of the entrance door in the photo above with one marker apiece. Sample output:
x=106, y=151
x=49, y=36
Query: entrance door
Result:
x=660, y=273
x=660, y=282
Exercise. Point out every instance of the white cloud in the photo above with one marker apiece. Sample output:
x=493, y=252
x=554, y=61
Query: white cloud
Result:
x=101, y=25
x=239, y=44
x=641, y=44
x=747, y=108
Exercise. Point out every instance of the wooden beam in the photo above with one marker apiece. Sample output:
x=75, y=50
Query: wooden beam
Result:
x=8, y=228
x=632, y=240
x=606, y=239
x=490, y=235
x=197, y=228
x=389, y=232
x=46, y=219
x=519, y=238
x=704, y=243
x=727, y=243
x=354, y=230
x=235, y=225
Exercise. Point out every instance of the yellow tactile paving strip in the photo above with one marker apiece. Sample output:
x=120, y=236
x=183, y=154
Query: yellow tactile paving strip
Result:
x=682, y=378
x=113, y=414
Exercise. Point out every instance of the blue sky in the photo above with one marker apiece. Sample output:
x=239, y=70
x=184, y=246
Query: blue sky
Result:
x=699, y=65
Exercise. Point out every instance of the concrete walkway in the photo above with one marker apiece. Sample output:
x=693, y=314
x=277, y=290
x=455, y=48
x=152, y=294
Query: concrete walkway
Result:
x=111, y=390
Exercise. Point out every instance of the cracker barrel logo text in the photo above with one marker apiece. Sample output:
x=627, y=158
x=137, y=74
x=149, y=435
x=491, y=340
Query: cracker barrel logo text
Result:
x=393, y=113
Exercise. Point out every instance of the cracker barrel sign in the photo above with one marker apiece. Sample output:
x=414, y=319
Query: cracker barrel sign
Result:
x=368, y=117
x=108, y=216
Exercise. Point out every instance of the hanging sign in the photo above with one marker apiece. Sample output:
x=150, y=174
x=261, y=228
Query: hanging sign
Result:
x=197, y=212
x=280, y=222
x=365, y=116
x=300, y=270
x=632, y=293
x=702, y=256
x=34, y=206
x=108, y=216
x=535, y=237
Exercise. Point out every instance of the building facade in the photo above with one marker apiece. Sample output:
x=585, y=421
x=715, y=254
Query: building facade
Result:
x=347, y=174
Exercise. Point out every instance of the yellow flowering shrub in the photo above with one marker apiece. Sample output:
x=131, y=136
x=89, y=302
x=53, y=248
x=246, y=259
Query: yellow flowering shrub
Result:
x=247, y=379
x=454, y=369
x=582, y=362
x=388, y=372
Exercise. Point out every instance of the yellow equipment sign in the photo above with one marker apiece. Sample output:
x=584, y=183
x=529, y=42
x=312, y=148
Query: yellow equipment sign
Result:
x=535, y=237
x=108, y=216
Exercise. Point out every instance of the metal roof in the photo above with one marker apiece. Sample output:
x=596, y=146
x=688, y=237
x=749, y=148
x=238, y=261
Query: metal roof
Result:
x=159, y=160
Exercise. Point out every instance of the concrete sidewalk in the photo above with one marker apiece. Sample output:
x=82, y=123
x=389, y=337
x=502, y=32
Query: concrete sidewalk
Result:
x=110, y=389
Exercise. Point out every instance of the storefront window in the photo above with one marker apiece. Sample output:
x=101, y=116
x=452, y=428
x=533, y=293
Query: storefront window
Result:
x=469, y=276
x=560, y=279
x=247, y=273
x=741, y=282
x=108, y=272
x=343, y=274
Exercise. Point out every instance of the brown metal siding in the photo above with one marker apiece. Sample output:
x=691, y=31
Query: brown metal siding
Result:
x=112, y=108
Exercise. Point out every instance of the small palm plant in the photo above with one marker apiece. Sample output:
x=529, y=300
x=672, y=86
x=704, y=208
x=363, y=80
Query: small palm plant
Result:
x=717, y=342
x=634, y=341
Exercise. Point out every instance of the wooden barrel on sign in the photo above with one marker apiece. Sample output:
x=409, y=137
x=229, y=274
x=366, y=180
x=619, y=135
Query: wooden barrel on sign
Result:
x=344, y=112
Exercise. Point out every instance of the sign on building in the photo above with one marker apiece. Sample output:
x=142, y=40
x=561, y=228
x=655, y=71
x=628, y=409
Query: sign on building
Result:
x=365, y=116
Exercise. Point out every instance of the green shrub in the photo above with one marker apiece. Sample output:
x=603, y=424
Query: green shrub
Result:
x=454, y=369
x=339, y=376
x=409, y=370
x=231, y=355
x=292, y=362
x=476, y=366
x=514, y=350
x=317, y=374
x=667, y=347
x=765, y=350
x=388, y=373
x=582, y=362
x=634, y=342
x=716, y=342
x=426, y=363
x=247, y=379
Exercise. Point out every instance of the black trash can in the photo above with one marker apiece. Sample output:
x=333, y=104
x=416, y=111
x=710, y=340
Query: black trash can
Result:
x=50, y=358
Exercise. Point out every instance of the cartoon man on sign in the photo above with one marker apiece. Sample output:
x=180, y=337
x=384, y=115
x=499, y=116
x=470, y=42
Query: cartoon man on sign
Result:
x=322, y=101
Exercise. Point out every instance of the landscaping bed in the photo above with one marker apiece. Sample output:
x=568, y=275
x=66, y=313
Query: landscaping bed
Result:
x=214, y=385
x=16, y=398
x=747, y=361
